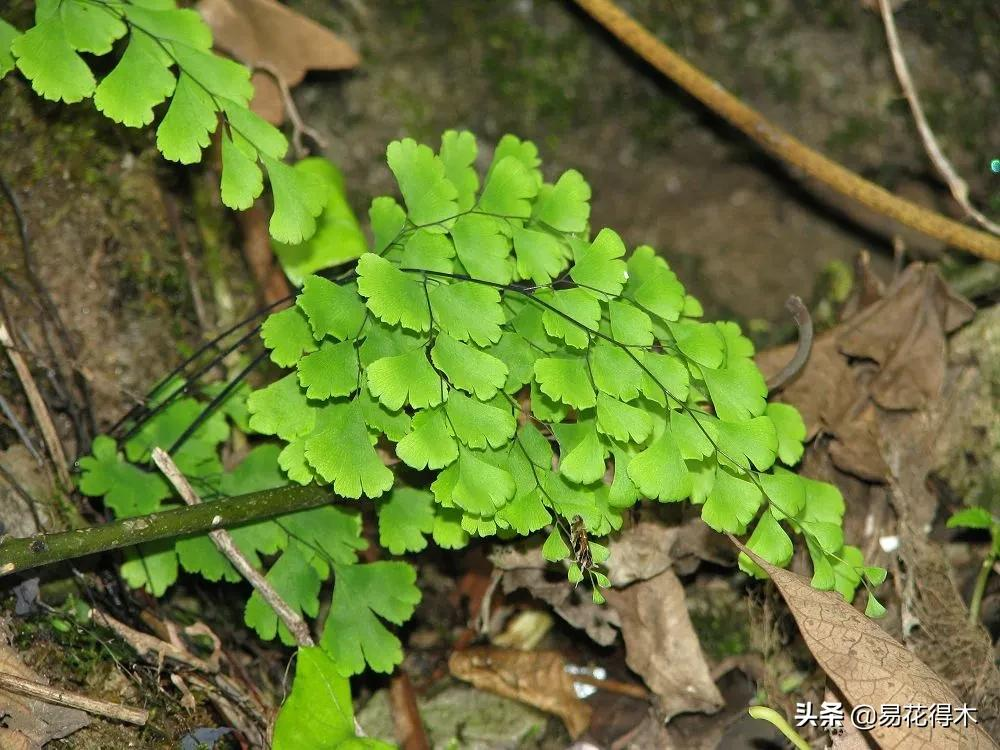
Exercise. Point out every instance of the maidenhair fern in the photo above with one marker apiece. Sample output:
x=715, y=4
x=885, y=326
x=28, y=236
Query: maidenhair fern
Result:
x=488, y=369
x=164, y=53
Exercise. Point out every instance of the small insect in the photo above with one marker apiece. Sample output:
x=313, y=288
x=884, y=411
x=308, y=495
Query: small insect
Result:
x=581, y=545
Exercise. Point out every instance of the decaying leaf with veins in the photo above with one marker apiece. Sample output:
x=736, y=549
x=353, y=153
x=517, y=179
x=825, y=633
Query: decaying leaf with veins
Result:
x=538, y=678
x=871, y=667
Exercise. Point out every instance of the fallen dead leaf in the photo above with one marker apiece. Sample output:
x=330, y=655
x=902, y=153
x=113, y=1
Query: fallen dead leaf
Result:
x=662, y=647
x=538, y=678
x=526, y=568
x=869, y=666
x=30, y=723
x=265, y=32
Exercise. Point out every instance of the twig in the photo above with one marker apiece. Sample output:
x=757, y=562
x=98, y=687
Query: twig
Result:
x=147, y=645
x=408, y=727
x=222, y=539
x=42, y=549
x=299, y=127
x=781, y=144
x=38, y=408
x=958, y=187
x=804, y=322
x=22, y=433
x=60, y=697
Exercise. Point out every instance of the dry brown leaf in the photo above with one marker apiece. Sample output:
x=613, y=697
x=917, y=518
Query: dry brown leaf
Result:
x=662, y=647
x=526, y=568
x=869, y=666
x=30, y=723
x=265, y=32
x=538, y=678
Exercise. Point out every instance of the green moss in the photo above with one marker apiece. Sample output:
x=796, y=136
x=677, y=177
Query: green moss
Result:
x=719, y=617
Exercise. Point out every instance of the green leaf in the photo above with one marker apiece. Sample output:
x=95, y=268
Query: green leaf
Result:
x=190, y=120
x=141, y=80
x=430, y=444
x=575, y=574
x=299, y=198
x=338, y=236
x=823, y=578
x=581, y=455
x=701, y=342
x=392, y=295
x=621, y=421
x=448, y=532
x=325, y=535
x=525, y=514
x=791, y=431
x=514, y=351
x=297, y=583
x=660, y=472
x=242, y=180
x=467, y=310
x=46, y=58
x=630, y=326
x=510, y=187
x=7, y=36
x=525, y=152
x=874, y=608
x=479, y=424
x=281, y=409
x=623, y=493
x=343, y=455
x=428, y=251
x=600, y=267
x=406, y=379
x=482, y=248
x=539, y=255
x=473, y=484
x=664, y=375
x=404, y=517
x=569, y=314
x=847, y=571
x=387, y=219
x=971, y=518
x=555, y=549
x=458, y=154
x=394, y=423
x=354, y=635
x=751, y=441
x=468, y=368
x=318, y=713
x=152, y=567
x=223, y=78
x=771, y=542
x=738, y=391
x=331, y=371
x=262, y=137
x=332, y=309
x=875, y=575
x=732, y=503
x=655, y=287
x=431, y=198
x=737, y=345
x=566, y=205
x=785, y=491
x=90, y=28
x=565, y=379
x=169, y=23
x=198, y=554
x=288, y=336
x=127, y=489
x=614, y=371
x=570, y=500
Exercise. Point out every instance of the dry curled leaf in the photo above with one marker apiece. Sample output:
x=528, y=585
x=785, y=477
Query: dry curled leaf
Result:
x=538, y=678
x=869, y=666
x=258, y=32
x=662, y=647
x=29, y=723
x=526, y=568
